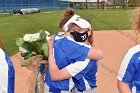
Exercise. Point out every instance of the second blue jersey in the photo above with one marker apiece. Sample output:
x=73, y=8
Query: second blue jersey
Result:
x=130, y=69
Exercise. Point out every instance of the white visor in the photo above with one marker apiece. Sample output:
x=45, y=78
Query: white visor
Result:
x=82, y=23
x=73, y=18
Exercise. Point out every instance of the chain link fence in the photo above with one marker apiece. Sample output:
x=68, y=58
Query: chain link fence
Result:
x=6, y=5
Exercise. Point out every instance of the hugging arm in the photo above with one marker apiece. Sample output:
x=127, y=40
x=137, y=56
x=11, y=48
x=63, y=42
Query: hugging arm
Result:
x=65, y=73
x=55, y=73
x=95, y=53
x=69, y=71
x=80, y=51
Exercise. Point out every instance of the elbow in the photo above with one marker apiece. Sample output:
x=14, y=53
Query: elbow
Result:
x=100, y=55
x=95, y=54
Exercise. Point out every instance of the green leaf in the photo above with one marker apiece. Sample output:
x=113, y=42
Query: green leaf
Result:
x=27, y=46
x=19, y=42
x=44, y=48
x=28, y=55
x=42, y=35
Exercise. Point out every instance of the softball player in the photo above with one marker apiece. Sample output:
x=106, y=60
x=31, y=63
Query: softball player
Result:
x=129, y=73
x=82, y=69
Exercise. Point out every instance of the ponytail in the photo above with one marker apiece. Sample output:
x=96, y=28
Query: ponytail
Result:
x=67, y=15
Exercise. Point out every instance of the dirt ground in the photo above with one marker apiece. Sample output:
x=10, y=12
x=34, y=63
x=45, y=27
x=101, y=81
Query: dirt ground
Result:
x=114, y=45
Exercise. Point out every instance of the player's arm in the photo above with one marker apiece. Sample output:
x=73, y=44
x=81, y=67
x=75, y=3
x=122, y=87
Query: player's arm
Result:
x=72, y=70
x=123, y=87
x=55, y=73
x=67, y=72
x=95, y=53
x=80, y=52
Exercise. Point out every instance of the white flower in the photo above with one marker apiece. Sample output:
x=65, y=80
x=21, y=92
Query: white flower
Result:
x=27, y=37
x=47, y=33
x=31, y=37
x=35, y=37
x=23, y=50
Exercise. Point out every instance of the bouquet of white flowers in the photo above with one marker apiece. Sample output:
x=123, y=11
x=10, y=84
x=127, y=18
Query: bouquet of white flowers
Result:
x=33, y=44
x=34, y=50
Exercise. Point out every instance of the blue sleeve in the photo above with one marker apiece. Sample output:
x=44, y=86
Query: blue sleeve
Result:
x=84, y=71
x=80, y=69
x=129, y=73
x=11, y=74
x=74, y=51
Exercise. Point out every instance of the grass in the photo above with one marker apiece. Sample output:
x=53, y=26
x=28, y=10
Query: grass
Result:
x=12, y=27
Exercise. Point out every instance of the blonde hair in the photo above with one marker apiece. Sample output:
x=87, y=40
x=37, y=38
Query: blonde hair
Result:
x=136, y=24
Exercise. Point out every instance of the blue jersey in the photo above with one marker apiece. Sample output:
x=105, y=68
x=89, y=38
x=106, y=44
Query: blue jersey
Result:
x=67, y=52
x=130, y=69
x=84, y=74
x=7, y=76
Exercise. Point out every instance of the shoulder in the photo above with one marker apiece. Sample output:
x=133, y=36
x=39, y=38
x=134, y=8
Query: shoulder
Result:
x=134, y=49
x=2, y=56
x=1, y=52
x=58, y=37
x=72, y=41
x=131, y=57
x=129, y=64
x=132, y=53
